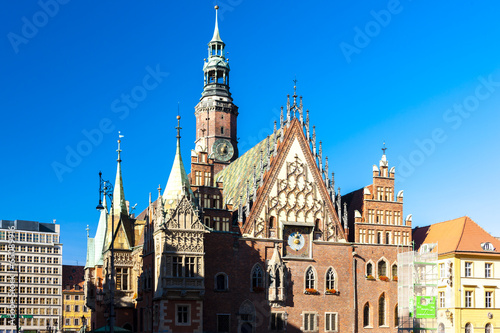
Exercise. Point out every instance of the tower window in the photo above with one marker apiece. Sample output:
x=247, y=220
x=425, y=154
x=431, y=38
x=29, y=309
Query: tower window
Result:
x=222, y=130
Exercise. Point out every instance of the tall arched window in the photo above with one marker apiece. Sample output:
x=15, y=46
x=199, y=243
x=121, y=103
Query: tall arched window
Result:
x=310, y=279
x=381, y=310
x=394, y=271
x=488, y=328
x=330, y=279
x=272, y=222
x=396, y=316
x=257, y=277
x=382, y=268
x=366, y=315
x=468, y=328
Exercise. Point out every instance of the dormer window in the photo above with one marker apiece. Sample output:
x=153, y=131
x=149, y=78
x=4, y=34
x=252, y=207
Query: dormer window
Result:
x=487, y=246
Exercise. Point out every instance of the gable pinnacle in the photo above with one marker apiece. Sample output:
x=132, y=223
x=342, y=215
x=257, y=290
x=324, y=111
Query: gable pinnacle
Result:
x=384, y=148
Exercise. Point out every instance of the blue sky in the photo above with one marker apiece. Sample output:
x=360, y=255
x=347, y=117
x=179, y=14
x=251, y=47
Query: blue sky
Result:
x=422, y=76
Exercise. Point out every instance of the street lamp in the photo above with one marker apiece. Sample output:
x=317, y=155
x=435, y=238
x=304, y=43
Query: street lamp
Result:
x=84, y=323
x=105, y=188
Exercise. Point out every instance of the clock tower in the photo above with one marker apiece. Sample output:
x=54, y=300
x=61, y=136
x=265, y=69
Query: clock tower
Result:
x=215, y=113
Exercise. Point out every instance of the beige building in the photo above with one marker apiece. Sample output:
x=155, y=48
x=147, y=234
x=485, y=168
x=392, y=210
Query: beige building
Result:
x=75, y=314
x=36, y=249
x=469, y=275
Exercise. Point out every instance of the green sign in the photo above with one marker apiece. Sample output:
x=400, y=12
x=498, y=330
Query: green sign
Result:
x=426, y=307
x=22, y=316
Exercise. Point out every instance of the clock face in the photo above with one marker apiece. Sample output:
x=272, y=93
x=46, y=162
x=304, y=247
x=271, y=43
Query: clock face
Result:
x=296, y=241
x=223, y=150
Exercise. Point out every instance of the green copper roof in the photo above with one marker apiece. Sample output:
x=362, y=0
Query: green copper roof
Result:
x=90, y=253
x=237, y=174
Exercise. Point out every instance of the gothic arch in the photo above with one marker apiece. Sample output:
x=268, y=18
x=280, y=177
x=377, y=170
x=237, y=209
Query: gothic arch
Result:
x=257, y=280
x=328, y=276
x=382, y=310
x=366, y=315
x=370, y=268
x=394, y=270
x=382, y=268
x=246, y=317
x=310, y=278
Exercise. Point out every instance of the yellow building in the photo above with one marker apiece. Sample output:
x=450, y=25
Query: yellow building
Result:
x=76, y=315
x=469, y=275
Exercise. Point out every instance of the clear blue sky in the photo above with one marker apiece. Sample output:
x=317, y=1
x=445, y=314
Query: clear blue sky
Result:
x=423, y=76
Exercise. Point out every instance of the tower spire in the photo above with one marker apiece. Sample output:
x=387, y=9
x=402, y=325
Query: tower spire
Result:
x=119, y=203
x=216, y=36
x=178, y=182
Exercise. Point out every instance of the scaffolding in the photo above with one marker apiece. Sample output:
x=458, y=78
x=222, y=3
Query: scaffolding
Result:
x=417, y=290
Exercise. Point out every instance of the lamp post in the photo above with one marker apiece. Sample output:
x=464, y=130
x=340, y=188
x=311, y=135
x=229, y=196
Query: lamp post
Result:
x=104, y=186
x=84, y=323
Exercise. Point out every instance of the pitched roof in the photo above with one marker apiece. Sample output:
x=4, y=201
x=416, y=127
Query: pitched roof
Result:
x=240, y=171
x=458, y=235
x=71, y=276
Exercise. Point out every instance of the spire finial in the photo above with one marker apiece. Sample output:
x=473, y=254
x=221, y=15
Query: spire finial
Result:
x=216, y=36
x=178, y=128
x=384, y=148
x=159, y=191
x=295, y=86
x=88, y=229
x=120, y=136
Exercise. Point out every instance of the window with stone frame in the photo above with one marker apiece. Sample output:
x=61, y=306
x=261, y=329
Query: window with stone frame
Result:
x=190, y=263
x=221, y=282
x=330, y=279
x=310, y=279
x=468, y=269
x=183, y=315
x=488, y=299
x=442, y=300
x=223, y=323
x=382, y=268
x=366, y=315
x=197, y=179
x=331, y=322
x=488, y=270
x=122, y=278
x=381, y=310
x=309, y=323
x=371, y=215
x=257, y=278
x=278, y=321
x=468, y=298
x=369, y=269
x=208, y=180
x=394, y=271
x=177, y=266
x=396, y=316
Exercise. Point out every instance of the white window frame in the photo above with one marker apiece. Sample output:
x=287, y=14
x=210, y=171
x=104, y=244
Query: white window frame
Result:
x=308, y=315
x=336, y=324
x=188, y=322
x=468, y=269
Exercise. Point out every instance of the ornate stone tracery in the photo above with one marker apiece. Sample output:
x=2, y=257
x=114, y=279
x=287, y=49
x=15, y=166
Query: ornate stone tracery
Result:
x=297, y=199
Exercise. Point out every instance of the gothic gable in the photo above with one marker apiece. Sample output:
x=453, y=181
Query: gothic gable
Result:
x=293, y=192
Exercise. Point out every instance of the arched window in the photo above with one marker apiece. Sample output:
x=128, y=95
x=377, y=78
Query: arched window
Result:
x=366, y=315
x=468, y=328
x=441, y=328
x=330, y=279
x=221, y=282
x=257, y=277
x=394, y=271
x=488, y=328
x=310, y=279
x=369, y=269
x=317, y=224
x=381, y=310
x=396, y=316
x=382, y=268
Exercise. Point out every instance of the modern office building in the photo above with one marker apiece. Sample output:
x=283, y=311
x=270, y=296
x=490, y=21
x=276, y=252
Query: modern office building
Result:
x=35, y=251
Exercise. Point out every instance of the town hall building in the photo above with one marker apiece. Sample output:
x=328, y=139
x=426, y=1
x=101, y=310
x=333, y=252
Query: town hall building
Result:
x=255, y=241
